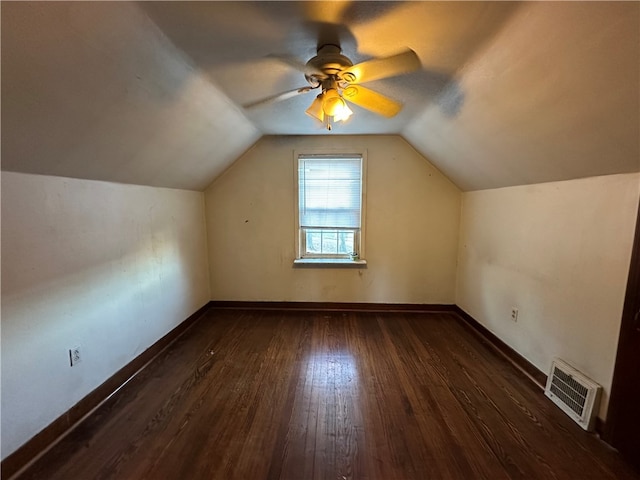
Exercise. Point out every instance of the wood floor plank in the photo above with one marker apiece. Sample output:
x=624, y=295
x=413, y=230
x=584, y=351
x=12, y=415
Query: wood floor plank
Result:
x=443, y=416
x=556, y=431
x=329, y=395
x=498, y=430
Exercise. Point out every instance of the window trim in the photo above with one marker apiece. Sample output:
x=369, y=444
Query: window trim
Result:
x=330, y=260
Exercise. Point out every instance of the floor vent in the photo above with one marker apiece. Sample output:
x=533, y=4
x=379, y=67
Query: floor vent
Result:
x=577, y=395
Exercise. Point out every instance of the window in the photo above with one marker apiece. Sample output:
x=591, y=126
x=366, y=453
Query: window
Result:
x=330, y=206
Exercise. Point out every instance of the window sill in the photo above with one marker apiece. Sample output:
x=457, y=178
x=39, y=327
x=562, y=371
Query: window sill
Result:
x=329, y=262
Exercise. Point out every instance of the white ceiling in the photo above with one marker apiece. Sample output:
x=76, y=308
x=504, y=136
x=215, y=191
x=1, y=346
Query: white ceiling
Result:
x=152, y=92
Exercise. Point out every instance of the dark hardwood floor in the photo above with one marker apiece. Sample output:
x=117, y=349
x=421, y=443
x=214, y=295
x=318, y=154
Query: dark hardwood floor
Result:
x=329, y=395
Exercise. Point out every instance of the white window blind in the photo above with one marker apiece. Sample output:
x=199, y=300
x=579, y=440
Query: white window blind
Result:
x=329, y=191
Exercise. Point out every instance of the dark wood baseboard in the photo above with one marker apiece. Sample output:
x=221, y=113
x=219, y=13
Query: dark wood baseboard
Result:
x=38, y=444
x=521, y=363
x=600, y=428
x=332, y=306
x=538, y=377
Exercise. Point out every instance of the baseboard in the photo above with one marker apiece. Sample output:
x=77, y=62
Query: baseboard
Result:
x=332, y=306
x=46, y=438
x=536, y=376
x=600, y=428
x=531, y=371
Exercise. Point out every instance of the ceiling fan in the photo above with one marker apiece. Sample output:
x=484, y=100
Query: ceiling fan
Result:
x=340, y=81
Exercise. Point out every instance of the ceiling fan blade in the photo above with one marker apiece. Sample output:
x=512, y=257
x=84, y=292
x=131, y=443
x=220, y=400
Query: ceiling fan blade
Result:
x=298, y=65
x=278, y=97
x=373, y=101
x=377, y=68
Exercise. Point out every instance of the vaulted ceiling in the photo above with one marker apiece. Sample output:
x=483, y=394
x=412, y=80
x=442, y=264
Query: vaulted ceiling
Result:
x=152, y=93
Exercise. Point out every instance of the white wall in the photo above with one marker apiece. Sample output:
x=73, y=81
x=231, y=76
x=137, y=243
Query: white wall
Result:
x=560, y=253
x=107, y=267
x=412, y=219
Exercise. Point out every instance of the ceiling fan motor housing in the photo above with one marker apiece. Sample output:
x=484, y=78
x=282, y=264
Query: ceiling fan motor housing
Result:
x=330, y=61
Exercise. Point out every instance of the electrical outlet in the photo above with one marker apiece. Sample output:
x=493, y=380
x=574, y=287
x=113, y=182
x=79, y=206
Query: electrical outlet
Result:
x=74, y=356
x=514, y=314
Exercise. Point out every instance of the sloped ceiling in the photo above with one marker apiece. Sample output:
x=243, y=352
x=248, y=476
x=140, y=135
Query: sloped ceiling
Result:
x=555, y=95
x=152, y=92
x=95, y=90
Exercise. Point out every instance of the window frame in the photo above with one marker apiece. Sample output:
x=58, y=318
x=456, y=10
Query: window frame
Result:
x=302, y=256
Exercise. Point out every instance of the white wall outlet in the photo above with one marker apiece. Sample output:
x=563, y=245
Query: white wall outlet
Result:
x=74, y=356
x=514, y=314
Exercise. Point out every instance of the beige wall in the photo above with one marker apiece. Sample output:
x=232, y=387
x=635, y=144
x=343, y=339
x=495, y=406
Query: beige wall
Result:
x=560, y=253
x=105, y=267
x=111, y=268
x=412, y=218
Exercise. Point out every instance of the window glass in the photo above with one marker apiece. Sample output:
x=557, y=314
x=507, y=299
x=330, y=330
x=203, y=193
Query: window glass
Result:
x=329, y=205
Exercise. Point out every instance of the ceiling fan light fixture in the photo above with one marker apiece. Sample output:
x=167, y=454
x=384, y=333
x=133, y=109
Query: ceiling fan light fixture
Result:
x=343, y=112
x=335, y=106
x=331, y=102
x=315, y=110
